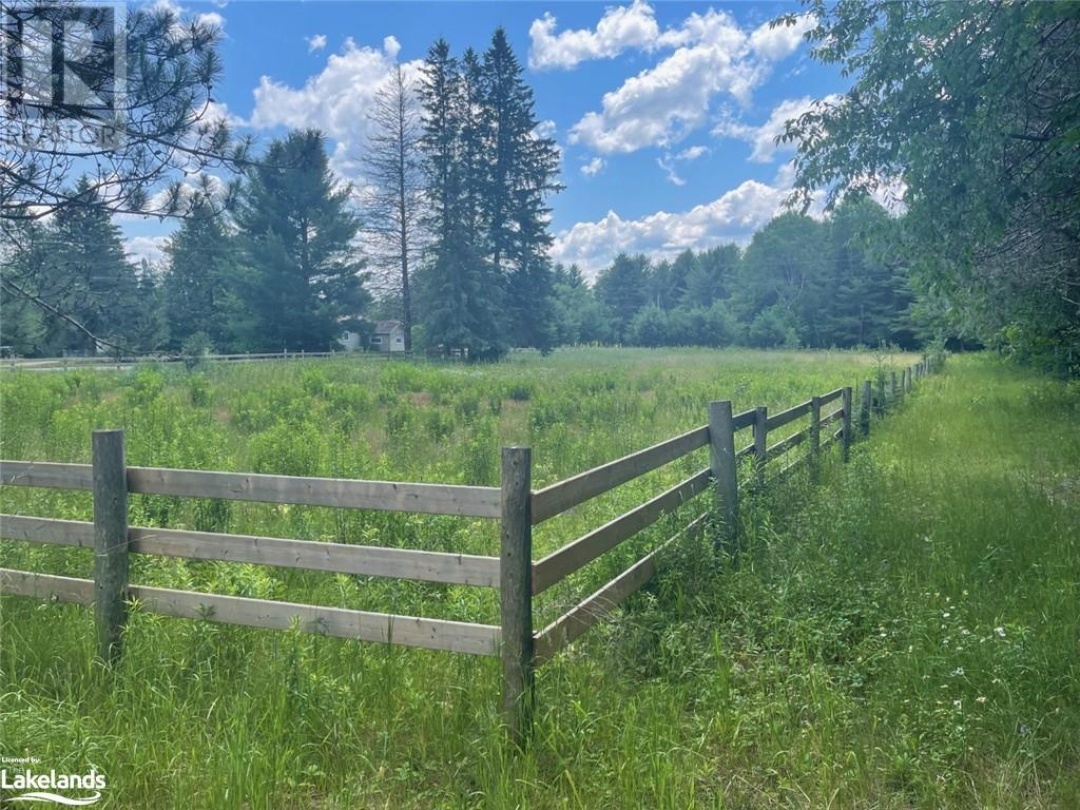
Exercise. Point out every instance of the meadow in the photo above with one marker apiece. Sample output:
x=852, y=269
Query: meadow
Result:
x=901, y=634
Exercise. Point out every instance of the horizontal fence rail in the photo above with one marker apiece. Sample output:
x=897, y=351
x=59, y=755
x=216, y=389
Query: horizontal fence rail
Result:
x=584, y=615
x=430, y=499
x=309, y=555
x=568, y=559
x=408, y=631
x=518, y=507
x=557, y=498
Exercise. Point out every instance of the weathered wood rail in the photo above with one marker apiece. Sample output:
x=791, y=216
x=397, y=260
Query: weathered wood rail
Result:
x=518, y=507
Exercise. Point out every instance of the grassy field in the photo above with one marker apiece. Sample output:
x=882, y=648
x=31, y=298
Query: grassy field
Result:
x=903, y=634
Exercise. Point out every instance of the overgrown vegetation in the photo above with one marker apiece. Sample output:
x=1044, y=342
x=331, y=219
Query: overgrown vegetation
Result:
x=901, y=635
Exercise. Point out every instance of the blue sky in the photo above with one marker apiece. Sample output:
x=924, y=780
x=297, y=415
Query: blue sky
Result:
x=665, y=112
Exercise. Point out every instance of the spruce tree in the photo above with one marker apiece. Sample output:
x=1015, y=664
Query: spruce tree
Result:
x=200, y=282
x=522, y=172
x=460, y=290
x=303, y=282
x=87, y=285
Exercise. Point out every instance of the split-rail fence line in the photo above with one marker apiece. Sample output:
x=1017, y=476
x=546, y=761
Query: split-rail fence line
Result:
x=517, y=506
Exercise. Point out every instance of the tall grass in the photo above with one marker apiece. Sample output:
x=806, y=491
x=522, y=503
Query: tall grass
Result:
x=902, y=634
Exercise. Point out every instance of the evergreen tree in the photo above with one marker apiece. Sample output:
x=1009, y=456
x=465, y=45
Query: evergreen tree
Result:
x=303, y=282
x=868, y=299
x=623, y=289
x=87, y=284
x=579, y=316
x=522, y=172
x=712, y=276
x=22, y=259
x=461, y=291
x=199, y=288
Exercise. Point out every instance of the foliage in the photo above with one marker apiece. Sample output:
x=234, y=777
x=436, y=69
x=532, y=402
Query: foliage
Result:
x=973, y=108
x=901, y=635
x=136, y=134
x=302, y=280
x=488, y=283
x=73, y=271
x=200, y=287
x=837, y=282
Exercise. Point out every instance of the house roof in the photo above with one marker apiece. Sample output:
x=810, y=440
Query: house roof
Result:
x=385, y=327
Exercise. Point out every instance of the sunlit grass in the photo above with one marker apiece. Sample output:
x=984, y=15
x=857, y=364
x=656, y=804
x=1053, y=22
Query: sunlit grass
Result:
x=818, y=667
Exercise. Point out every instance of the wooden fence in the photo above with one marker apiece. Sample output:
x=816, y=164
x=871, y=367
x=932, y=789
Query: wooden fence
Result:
x=515, y=504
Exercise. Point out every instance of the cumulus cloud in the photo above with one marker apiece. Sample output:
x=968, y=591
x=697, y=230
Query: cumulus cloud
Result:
x=713, y=57
x=732, y=217
x=315, y=42
x=593, y=167
x=692, y=153
x=545, y=129
x=763, y=137
x=337, y=100
x=149, y=248
x=621, y=28
x=779, y=42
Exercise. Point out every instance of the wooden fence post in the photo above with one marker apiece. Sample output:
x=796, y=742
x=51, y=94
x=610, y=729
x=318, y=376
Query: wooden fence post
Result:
x=907, y=380
x=881, y=394
x=892, y=385
x=845, y=438
x=761, y=435
x=815, y=434
x=515, y=584
x=864, y=408
x=722, y=461
x=110, y=541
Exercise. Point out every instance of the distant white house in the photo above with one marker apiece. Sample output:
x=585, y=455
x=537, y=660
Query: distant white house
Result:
x=388, y=336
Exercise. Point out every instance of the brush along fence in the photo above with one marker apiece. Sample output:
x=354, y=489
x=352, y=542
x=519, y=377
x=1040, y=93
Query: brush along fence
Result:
x=517, y=507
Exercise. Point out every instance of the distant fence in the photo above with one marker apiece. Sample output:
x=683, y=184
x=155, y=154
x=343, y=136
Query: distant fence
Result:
x=515, y=504
x=106, y=361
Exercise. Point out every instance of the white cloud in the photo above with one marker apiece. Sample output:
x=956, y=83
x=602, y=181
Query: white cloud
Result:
x=732, y=217
x=150, y=248
x=337, y=100
x=783, y=40
x=621, y=28
x=667, y=164
x=545, y=129
x=692, y=153
x=316, y=42
x=763, y=138
x=713, y=56
x=593, y=167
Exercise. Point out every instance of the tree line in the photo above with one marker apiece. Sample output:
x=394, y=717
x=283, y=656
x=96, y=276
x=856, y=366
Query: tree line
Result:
x=970, y=111
x=451, y=237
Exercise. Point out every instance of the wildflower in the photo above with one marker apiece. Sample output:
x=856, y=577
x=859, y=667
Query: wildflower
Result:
x=1000, y=631
x=981, y=699
x=958, y=672
x=958, y=704
x=946, y=615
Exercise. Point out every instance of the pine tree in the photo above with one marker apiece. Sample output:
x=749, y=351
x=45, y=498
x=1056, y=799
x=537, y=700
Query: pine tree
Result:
x=199, y=288
x=523, y=169
x=623, y=289
x=90, y=288
x=303, y=282
x=461, y=292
